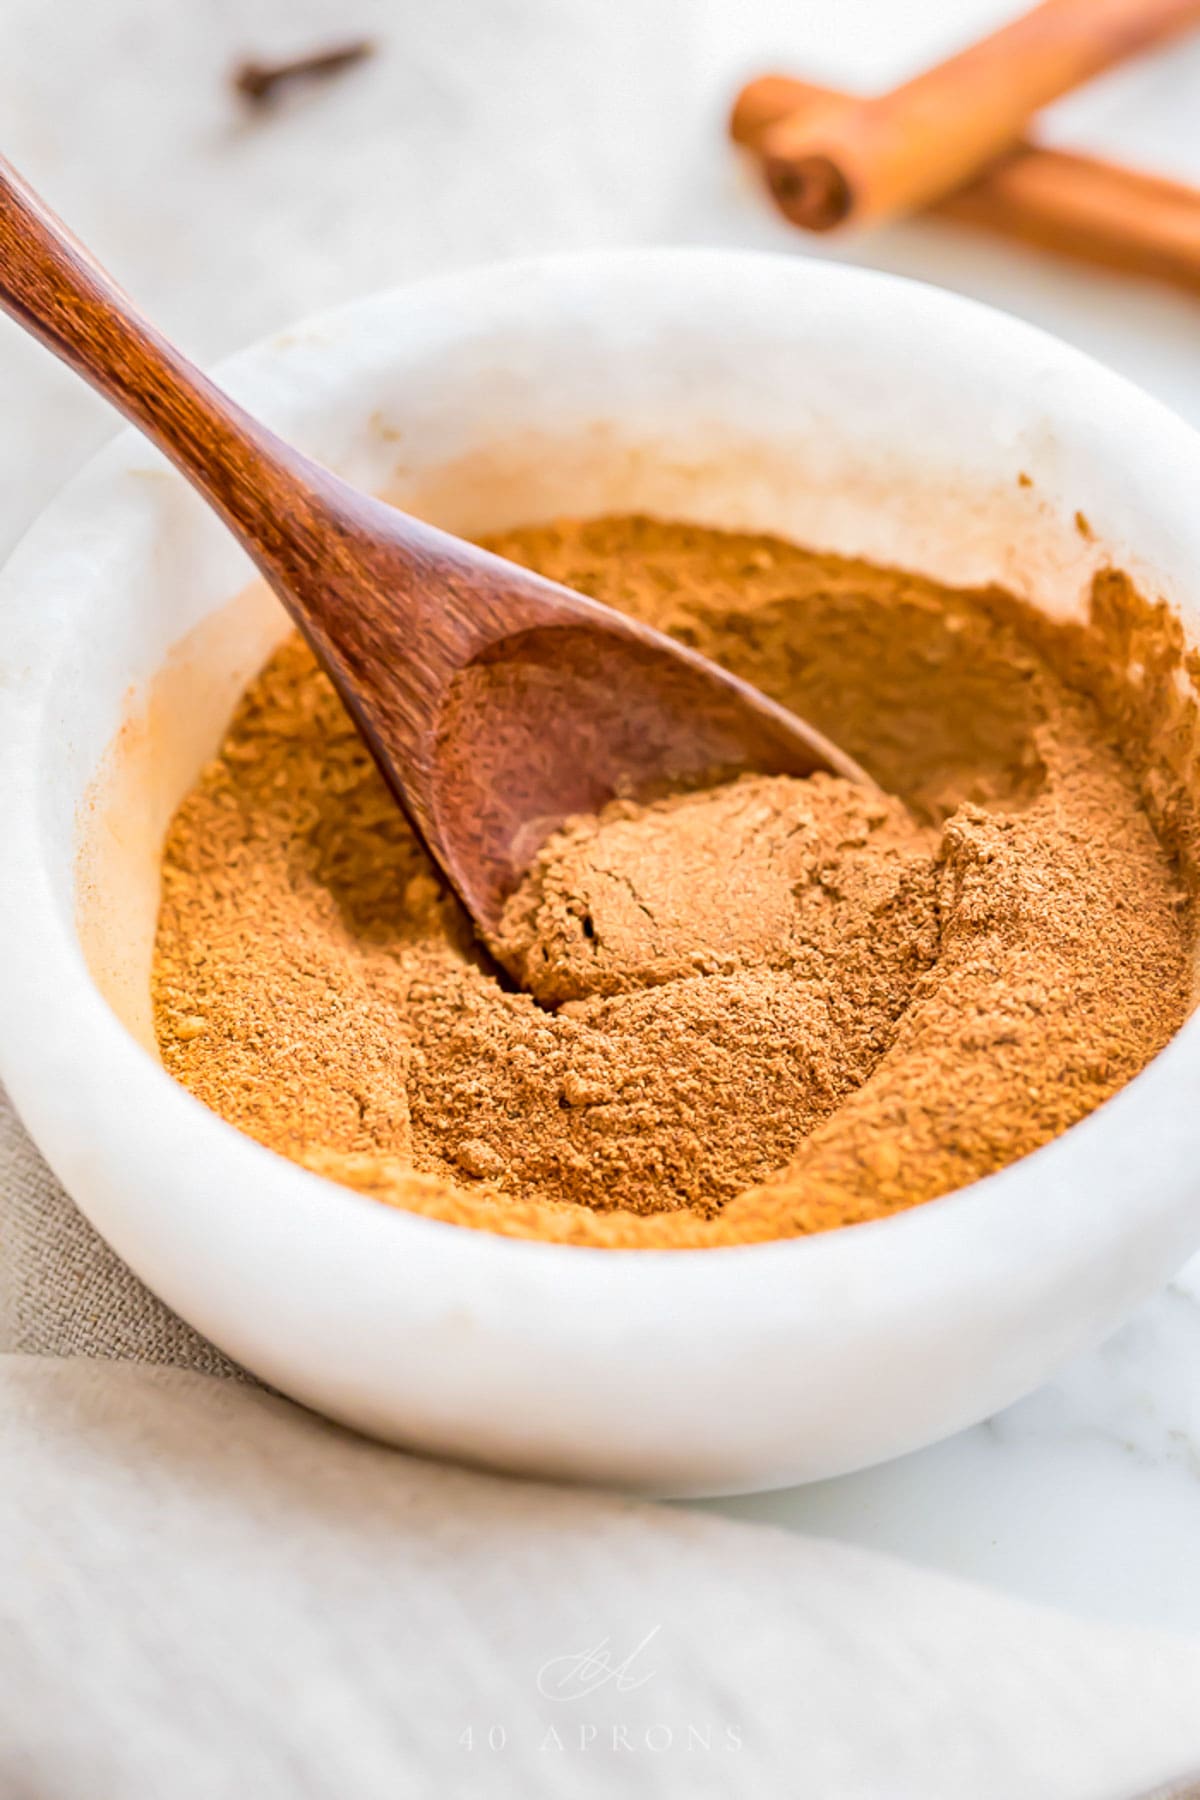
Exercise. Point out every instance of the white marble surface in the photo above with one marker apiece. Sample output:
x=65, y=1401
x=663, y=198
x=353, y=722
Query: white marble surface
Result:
x=484, y=128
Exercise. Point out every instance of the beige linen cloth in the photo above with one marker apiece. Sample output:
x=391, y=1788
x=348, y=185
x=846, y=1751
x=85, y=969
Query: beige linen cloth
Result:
x=205, y=1591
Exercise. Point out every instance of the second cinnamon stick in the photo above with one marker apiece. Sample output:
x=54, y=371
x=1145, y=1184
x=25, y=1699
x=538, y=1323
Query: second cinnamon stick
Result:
x=1076, y=205
x=863, y=161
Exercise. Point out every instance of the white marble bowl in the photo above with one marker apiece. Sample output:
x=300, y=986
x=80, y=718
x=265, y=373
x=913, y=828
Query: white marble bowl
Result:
x=840, y=408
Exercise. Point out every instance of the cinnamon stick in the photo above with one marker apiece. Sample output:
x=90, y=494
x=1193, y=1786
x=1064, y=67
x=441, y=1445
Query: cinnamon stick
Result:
x=864, y=160
x=1077, y=205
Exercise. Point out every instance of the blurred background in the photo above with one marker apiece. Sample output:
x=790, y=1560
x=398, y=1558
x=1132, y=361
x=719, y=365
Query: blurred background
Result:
x=486, y=128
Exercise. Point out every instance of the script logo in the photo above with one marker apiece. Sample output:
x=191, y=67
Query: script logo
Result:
x=583, y=1672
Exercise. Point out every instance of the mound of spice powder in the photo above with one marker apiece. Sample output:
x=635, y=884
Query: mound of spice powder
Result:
x=768, y=1009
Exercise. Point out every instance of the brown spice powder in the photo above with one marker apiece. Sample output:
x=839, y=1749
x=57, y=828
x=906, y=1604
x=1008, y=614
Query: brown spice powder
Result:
x=772, y=1009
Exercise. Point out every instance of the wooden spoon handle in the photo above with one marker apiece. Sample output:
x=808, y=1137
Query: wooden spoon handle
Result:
x=50, y=284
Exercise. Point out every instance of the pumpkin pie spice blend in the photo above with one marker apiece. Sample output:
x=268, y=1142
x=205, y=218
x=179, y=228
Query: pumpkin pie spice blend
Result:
x=765, y=1010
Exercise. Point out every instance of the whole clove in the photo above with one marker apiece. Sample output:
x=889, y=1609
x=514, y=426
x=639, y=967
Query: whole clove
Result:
x=261, y=82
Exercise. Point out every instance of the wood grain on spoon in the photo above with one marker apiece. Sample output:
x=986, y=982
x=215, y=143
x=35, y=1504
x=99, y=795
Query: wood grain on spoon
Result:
x=496, y=703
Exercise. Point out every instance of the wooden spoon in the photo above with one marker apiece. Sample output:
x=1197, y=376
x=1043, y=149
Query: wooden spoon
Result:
x=495, y=703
